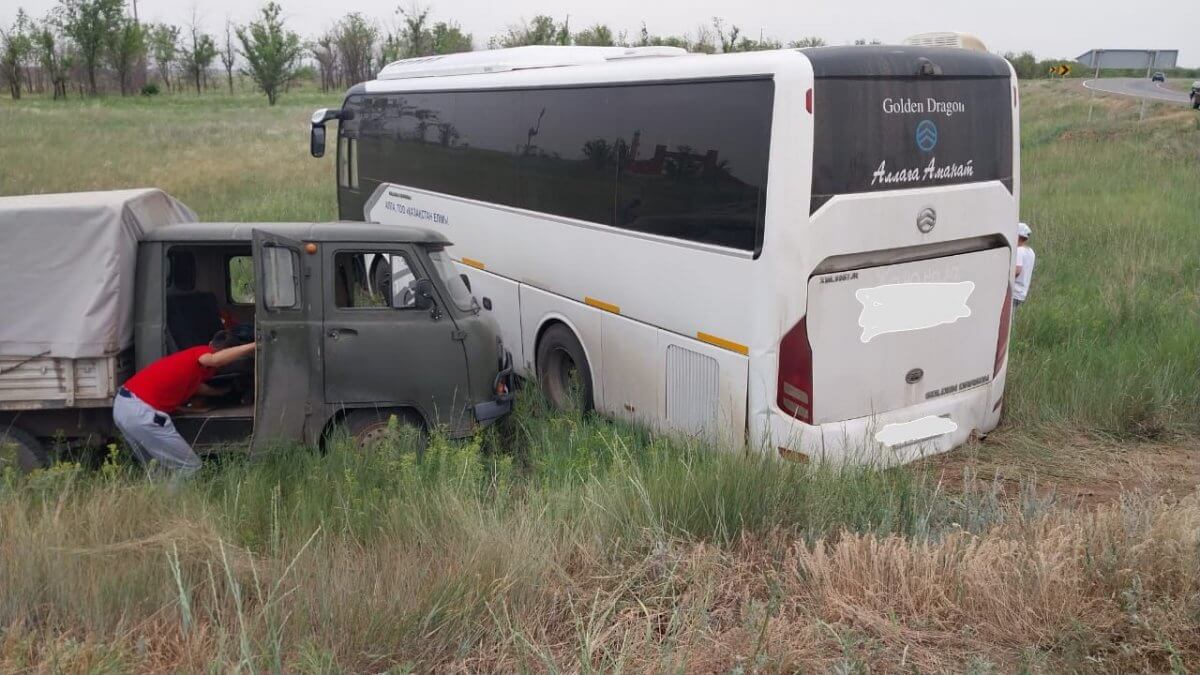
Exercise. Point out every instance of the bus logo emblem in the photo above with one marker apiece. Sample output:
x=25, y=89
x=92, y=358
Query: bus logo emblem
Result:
x=926, y=219
x=927, y=136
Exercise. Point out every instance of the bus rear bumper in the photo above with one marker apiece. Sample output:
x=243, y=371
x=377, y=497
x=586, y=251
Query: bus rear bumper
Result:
x=894, y=437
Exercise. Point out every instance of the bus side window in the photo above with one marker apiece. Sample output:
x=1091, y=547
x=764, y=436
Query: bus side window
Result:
x=696, y=167
x=348, y=162
x=343, y=158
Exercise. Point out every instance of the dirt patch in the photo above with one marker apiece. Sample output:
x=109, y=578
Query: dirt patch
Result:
x=1077, y=468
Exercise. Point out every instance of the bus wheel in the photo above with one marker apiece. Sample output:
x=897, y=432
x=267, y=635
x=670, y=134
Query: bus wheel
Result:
x=21, y=451
x=563, y=371
x=370, y=427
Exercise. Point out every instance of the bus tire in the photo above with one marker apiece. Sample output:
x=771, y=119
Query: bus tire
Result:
x=21, y=450
x=564, y=374
x=369, y=426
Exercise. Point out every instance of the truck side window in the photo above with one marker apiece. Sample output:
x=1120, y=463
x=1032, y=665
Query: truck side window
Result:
x=280, y=279
x=369, y=280
x=239, y=280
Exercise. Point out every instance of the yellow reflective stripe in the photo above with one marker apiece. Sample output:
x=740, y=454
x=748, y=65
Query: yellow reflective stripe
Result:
x=471, y=262
x=724, y=344
x=600, y=304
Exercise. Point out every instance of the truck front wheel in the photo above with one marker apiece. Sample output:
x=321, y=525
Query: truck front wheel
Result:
x=370, y=427
x=20, y=450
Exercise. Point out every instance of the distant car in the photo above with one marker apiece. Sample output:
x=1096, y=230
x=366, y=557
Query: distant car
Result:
x=1158, y=77
x=1195, y=95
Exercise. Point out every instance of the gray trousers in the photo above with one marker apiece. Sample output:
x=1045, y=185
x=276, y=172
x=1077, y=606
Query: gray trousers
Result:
x=152, y=435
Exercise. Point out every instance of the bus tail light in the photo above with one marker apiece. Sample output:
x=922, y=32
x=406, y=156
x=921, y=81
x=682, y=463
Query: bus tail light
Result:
x=1002, y=338
x=808, y=103
x=795, y=373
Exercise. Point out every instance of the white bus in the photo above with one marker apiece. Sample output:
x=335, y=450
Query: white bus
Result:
x=807, y=252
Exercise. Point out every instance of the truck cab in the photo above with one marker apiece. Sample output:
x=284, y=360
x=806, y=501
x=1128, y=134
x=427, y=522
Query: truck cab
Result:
x=351, y=320
x=354, y=324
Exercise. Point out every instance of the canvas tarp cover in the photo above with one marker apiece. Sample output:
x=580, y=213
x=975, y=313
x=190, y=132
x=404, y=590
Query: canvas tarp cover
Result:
x=67, y=269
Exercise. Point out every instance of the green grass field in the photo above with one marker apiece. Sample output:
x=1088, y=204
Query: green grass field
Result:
x=1112, y=337
x=1070, y=540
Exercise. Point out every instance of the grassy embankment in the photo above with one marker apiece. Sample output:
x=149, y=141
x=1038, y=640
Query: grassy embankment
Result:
x=577, y=544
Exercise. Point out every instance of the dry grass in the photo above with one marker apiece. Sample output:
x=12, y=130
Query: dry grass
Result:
x=1074, y=467
x=1118, y=586
x=1113, y=589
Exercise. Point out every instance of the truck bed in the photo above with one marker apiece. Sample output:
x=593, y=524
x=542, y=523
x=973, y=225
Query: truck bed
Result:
x=40, y=382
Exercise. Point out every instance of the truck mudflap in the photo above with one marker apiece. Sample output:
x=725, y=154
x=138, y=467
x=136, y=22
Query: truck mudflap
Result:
x=501, y=403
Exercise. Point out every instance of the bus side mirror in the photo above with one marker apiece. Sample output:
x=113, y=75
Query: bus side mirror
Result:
x=424, y=292
x=316, y=141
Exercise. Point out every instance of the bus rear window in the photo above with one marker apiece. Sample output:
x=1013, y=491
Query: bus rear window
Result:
x=893, y=133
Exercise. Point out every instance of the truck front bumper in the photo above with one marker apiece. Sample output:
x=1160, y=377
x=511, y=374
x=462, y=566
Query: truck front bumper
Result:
x=501, y=402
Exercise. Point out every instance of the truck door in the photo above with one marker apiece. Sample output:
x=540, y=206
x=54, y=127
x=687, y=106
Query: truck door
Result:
x=382, y=349
x=285, y=329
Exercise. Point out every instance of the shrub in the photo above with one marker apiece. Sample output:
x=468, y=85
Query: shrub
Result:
x=150, y=89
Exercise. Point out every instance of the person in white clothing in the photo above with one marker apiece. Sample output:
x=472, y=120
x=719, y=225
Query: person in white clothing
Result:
x=1023, y=276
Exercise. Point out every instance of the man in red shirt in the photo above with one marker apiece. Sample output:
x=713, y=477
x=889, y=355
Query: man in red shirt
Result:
x=143, y=407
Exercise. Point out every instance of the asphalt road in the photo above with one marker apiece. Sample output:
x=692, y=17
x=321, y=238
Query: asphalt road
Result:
x=1138, y=87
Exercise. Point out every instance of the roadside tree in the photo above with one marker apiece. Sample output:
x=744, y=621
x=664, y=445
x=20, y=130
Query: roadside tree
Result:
x=805, y=42
x=1025, y=63
x=164, y=48
x=89, y=23
x=355, y=37
x=598, y=35
x=197, y=57
x=228, y=54
x=325, y=53
x=416, y=37
x=412, y=39
x=448, y=38
x=702, y=44
x=16, y=46
x=55, y=57
x=126, y=45
x=540, y=30
x=271, y=51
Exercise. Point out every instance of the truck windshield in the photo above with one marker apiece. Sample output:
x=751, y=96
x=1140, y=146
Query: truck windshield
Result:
x=459, y=292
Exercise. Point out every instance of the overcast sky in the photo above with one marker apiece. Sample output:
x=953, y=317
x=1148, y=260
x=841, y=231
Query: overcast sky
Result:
x=1049, y=28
